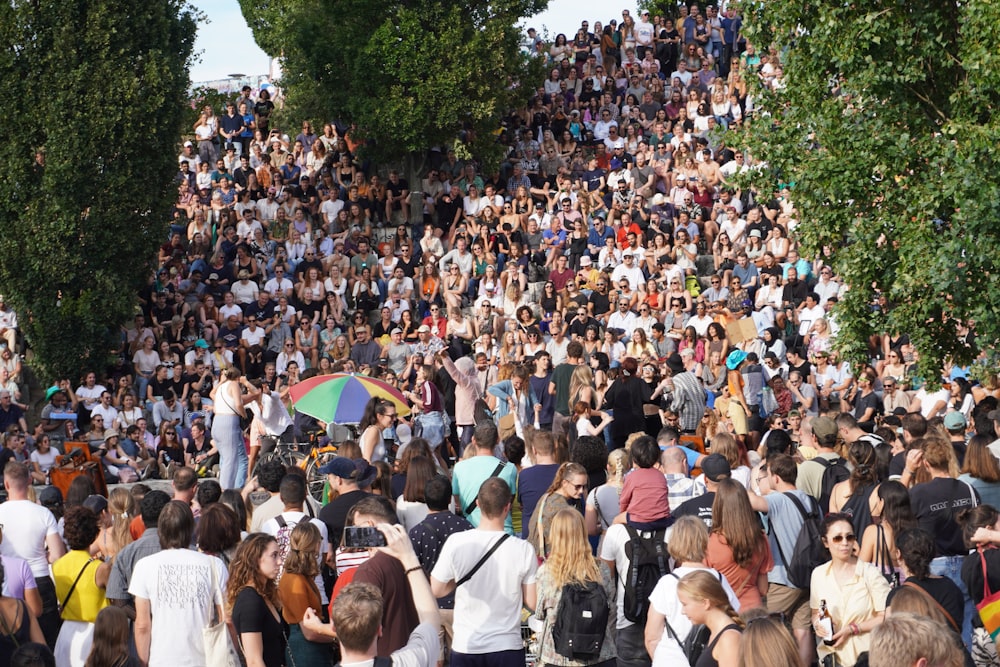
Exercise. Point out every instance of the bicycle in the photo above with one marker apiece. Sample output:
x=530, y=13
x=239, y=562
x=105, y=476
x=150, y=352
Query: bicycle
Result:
x=308, y=456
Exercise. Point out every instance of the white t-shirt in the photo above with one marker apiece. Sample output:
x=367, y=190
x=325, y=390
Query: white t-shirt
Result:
x=25, y=528
x=45, y=461
x=664, y=600
x=487, y=606
x=613, y=551
x=254, y=337
x=178, y=584
x=227, y=311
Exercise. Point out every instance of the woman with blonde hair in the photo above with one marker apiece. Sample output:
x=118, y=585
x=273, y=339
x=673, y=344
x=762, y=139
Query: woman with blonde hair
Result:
x=570, y=561
x=767, y=642
x=602, y=502
x=581, y=386
x=703, y=600
x=565, y=492
x=116, y=535
x=297, y=592
x=737, y=545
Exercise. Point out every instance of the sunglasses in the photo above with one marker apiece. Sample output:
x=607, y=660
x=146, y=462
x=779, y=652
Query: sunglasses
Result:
x=837, y=539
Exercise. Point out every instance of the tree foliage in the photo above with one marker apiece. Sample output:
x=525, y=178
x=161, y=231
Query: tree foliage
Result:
x=887, y=127
x=100, y=86
x=409, y=75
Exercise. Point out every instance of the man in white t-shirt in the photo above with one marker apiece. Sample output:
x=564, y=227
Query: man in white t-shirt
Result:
x=330, y=207
x=178, y=587
x=505, y=577
x=28, y=530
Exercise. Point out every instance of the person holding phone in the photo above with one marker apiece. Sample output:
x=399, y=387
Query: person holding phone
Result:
x=359, y=608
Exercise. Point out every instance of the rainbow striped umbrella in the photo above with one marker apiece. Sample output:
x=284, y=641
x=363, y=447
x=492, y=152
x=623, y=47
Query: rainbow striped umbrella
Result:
x=341, y=398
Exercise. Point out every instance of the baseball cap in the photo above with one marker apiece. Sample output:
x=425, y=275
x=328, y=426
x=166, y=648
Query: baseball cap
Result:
x=954, y=421
x=201, y=343
x=825, y=429
x=424, y=329
x=358, y=470
x=716, y=467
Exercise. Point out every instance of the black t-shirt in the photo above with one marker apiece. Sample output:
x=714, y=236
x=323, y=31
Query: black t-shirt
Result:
x=334, y=514
x=250, y=614
x=159, y=386
x=945, y=592
x=699, y=506
x=935, y=504
x=262, y=313
x=600, y=302
x=395, y=189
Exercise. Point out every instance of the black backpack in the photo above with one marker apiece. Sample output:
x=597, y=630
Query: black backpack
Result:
x=834, y=471
x=696, y=640
x=808, y=550
x=581, y=621
x=647, y=563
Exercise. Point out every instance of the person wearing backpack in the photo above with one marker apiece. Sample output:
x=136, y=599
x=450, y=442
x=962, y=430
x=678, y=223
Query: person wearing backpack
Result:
x=574, y=599
x=293, y=495
x=670, y=637
x=819, y=475
x=785, y=526
x=637, y=560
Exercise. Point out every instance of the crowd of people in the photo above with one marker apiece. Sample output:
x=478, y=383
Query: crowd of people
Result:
x=629, y=416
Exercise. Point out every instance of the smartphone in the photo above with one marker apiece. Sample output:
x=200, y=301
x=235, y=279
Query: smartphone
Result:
x=363, y=536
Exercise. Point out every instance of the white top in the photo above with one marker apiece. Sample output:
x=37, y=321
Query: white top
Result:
x=25, y=528
x=613, y=551
x=178, y=585
x=488, y=606
x=664, y=600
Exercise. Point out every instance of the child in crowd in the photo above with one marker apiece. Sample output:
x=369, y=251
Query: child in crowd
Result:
x=644, y=498
x=583, y=412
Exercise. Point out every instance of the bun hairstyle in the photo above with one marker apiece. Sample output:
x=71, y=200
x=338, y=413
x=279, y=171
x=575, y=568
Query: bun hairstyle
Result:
x=629, y=366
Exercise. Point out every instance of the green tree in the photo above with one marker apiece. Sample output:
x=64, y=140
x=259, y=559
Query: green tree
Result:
x=887, y=128
x=408, y=75
x=100, y=86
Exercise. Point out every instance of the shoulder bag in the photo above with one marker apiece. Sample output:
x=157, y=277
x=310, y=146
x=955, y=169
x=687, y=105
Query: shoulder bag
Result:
x=482, y=561
x=72, y=588
x=220, y=650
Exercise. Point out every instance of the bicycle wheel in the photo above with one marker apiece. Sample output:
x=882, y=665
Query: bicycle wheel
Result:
x=287, y=457
x=314, y=478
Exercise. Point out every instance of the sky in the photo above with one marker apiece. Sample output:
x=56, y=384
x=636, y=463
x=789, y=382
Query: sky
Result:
x=225, y=44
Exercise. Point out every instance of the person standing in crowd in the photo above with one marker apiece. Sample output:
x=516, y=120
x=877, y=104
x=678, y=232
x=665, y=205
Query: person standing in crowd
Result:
x=181, y=589
x=31, y=533
x=470, y=473
x=80, y=580
x=570, y=562
x=357, y=613
x=252, y=597
x=229, y=407
x=488, y=564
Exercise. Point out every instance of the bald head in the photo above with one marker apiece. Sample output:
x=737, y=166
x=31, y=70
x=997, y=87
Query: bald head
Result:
x=673, y=460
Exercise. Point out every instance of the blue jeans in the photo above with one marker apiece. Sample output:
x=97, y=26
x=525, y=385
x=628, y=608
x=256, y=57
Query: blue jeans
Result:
x=951, y=567
x=232, y=453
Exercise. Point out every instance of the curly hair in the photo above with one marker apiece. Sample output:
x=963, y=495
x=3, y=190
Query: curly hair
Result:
x=244, y=571
x=81, y=528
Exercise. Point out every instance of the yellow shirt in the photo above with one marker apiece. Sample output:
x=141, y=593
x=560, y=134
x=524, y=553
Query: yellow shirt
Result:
x=87, y=599
x=857, y=601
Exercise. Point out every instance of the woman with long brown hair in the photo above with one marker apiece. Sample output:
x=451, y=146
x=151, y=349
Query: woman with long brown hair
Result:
x=737, y=545
x=252, y=596
x=297, y=592
x=411, y=506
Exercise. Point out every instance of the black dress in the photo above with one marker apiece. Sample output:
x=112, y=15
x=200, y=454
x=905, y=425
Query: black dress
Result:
x=250, y=614
x=626, y=397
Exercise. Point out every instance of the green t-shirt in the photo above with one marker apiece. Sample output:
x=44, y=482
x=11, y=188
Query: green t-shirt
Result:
x=561, y=377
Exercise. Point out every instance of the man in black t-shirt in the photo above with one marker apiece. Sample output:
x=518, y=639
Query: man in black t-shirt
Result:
x=716, y=469
x=397, y=193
